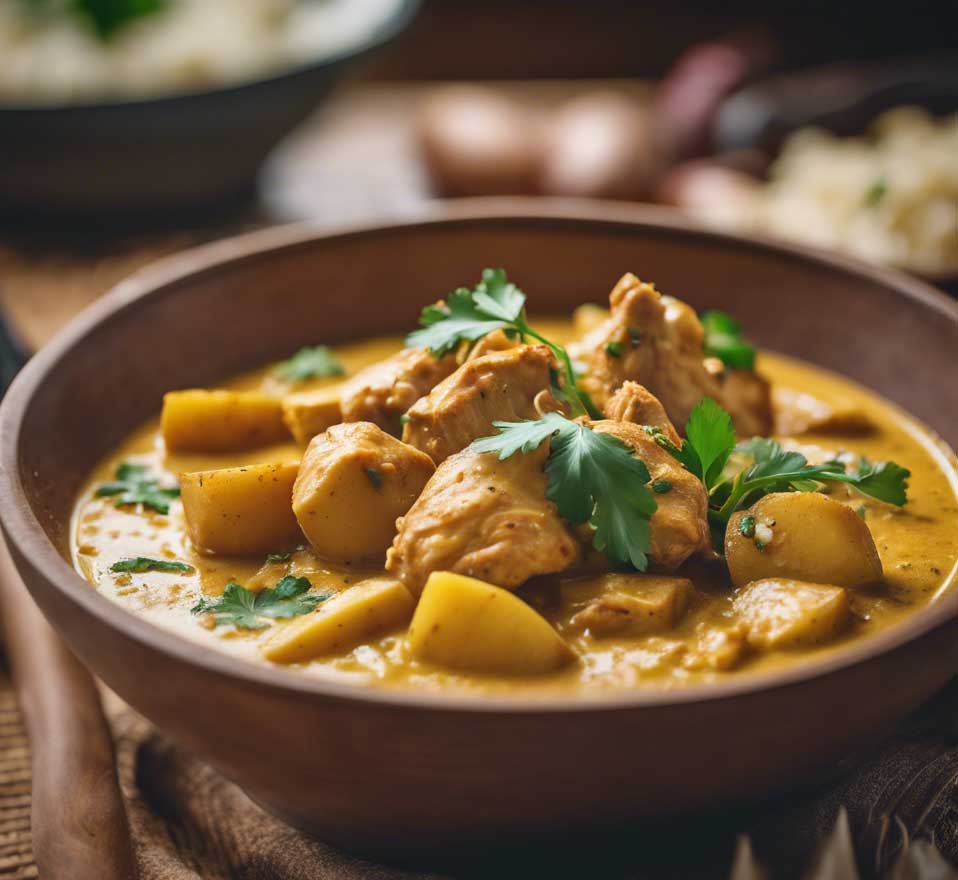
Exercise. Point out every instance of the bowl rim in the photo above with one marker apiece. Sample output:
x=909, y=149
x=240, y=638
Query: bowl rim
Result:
x=388, y=29
x=158, y=279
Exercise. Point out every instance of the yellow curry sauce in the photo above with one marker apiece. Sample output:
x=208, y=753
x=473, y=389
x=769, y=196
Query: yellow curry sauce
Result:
x=918, y=545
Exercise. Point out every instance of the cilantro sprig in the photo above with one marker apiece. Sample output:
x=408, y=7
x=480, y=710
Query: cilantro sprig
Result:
x=142, y=564
x=724, y=340
x=593, y=478
x=710, y=441
x=311, y=362
x=495, y=303
x=106, y=17
x=245, y=609
x=134, y=484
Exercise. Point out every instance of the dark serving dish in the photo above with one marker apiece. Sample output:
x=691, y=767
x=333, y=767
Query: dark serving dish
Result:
x=162, y=153
x=391, y=772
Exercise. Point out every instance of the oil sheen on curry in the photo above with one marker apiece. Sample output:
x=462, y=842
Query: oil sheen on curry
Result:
x=627, y=499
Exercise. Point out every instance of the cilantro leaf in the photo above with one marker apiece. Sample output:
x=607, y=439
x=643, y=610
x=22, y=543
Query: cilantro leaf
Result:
x=245, y=609
x=141, y=564
x=133, y=484
x=494, y=304
x=311, y=362
x=709, y=440
x=593, y=478
x=724, y=340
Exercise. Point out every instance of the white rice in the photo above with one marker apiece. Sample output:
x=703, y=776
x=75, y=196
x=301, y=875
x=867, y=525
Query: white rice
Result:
x=192, y=44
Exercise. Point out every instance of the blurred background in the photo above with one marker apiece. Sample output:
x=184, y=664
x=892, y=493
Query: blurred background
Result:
x=133, y=128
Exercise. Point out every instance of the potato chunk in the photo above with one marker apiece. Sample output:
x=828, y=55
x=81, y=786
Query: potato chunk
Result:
x=633, y=603
x=349, y=618
x=780, y=613
x=803, y=536
x=220, y=421
x=241, y=511
x=354, y=482
x=308, y=413
x=464, y=623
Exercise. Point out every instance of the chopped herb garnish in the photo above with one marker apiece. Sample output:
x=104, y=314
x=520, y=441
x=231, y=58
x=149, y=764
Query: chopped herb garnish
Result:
x=404, y=419
x=614, y=349
x=316, y=362
x=746, y=526
x=245, y=609
x=106, y=17
x=593, y=478
x=635, y=336
x=724, y=340
x=375, y=477
x=133, y=484
x=759, y=545
x=661, y=487
x=876, y=192
x=141, y=564
x=494, y=304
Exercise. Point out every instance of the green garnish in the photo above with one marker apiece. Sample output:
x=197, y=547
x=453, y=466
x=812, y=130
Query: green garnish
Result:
x=593, y=478
x=710, y=440
x=861, y=510
x=244, y=608
x=876, y=192
x=133, y=484
x=316, y=362
x=724, y=340
x=635, y=336
x=106, y=17
x=141, y=564
x=404, y=419
x=661, y=487
x=614, y=349
x=746, y=526
x=375, y=477
x=494, y=304
x=759, y=545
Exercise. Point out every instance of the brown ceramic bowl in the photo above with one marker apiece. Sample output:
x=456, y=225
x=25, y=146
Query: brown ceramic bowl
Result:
x=394, y=772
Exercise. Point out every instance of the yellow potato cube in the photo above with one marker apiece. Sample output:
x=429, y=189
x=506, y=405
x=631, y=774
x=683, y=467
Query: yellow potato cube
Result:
x=804, y=536
x=308, y=413
x=464, y=623
x=369, y=608
x=354, y=482
x=779, y=613
x=243, y=511
x=220, y=421
x=633, y=603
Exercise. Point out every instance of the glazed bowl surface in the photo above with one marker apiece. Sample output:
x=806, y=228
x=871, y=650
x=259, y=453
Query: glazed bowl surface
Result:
x=391, y=772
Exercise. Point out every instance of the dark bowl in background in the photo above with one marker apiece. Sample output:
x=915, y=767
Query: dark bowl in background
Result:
x=163, y=153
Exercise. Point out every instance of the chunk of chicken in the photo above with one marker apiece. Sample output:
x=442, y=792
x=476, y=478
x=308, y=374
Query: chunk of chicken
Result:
x=658, y=342
x=505, y=386
x=383, y=392
x=484, y=518
x=747, y=397
x=353, y=483
x=635, y=603
x=635, y=404
x=679, y=525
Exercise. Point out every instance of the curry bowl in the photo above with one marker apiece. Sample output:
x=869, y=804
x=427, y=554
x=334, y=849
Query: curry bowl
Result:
x=395, y=772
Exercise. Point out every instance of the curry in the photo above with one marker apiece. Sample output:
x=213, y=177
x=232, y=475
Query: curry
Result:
x=630, y=498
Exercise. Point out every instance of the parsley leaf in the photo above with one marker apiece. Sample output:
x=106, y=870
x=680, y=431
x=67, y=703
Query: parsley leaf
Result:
x=876, y=192
x=141, y=564
x=494, y=304
x=724, y=340
x=593, y=478
x=133, y=484
x=106, y=17
x=316, y=362
x=245, y=609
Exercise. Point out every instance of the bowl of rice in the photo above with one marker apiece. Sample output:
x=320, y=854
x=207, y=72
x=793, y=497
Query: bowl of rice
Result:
x=153, y=105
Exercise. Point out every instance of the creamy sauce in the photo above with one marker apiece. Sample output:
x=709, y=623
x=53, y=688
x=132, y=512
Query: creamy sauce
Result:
x=918, y=546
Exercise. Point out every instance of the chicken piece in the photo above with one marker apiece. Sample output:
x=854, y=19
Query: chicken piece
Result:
x=797, y=412
x=635, y=404
x=779, y=613
x=383, y=392
x=353, y=483
x=486, y=519
x=658, y=342
x=504, y=386
x=747, y=396
x=679, y=525
x=634, y=603
x=495, y=341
